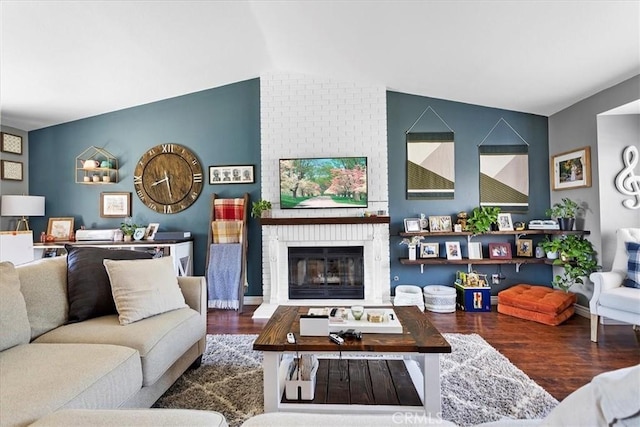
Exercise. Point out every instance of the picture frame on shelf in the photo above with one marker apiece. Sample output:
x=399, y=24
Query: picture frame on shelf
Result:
x=571, y=169
x=412, y=225
x=453, y=250
x=231, y=174
x=115, y=205
x=151, y=231
x=11, y=170
x=504, y=222
x=440, y=223
x=60, y=228
x=429, y=250
x=499, y=250
x=524, y=247
x=475, y=250
x=11, y=143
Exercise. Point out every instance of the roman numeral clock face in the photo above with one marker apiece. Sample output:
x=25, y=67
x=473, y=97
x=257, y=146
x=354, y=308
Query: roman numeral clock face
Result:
x=168, y=178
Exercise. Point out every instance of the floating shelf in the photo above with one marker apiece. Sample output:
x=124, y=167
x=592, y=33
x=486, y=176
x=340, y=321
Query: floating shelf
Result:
x=96, y=175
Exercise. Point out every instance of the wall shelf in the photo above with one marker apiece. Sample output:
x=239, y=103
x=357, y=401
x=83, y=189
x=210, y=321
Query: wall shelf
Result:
x=326, y=220
x=105, y=175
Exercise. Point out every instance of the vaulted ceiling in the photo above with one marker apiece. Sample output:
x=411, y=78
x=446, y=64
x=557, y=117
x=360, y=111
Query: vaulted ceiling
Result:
x=66, y=60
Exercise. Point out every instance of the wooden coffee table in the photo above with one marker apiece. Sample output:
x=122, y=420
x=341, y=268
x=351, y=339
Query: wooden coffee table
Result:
x=386, y=372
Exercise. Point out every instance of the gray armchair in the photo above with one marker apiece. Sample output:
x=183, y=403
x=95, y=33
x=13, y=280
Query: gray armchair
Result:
x=611, y=299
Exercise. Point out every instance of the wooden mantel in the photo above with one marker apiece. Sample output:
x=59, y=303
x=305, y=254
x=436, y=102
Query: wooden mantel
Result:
x=326, y=220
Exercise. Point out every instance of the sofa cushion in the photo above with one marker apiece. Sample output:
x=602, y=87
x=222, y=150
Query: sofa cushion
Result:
x=550, y=319
x=144, y=288
x=44, y=286
x=633, y=265
x=160, y=340
x=621, y=298
x=87, y=281
x=14, y=323
x=132, y=417
x=537, y=298
x=110, y=375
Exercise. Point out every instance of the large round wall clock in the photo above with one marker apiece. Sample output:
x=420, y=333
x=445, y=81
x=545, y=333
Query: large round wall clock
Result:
x=168, y=178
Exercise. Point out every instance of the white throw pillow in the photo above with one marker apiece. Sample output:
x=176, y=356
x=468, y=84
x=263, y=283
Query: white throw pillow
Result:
x=143, y=288
x=14, y=323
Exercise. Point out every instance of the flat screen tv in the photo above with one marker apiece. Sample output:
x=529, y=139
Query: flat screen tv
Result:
x=316, y=183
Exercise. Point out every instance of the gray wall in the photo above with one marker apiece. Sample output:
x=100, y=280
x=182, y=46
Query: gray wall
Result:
x=15, y=187
x=615, y=133
x=576, y=127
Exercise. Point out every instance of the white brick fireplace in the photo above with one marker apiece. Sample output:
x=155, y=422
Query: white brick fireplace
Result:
x=303, y=116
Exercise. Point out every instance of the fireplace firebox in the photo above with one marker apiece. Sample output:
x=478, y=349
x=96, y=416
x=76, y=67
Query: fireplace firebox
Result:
x=333, y=272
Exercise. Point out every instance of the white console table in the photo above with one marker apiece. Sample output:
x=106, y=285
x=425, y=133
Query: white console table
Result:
x=180, y=250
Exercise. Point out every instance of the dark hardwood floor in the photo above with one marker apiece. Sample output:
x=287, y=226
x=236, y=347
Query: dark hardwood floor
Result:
x=559, y=358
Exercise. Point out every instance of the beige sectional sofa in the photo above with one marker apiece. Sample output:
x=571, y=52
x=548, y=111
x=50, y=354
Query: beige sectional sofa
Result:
x=47, y=364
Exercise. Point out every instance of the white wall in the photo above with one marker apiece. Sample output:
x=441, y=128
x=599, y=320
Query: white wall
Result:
x=614, y=134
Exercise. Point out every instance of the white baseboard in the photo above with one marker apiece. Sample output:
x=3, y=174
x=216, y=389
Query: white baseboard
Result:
x=252, y=300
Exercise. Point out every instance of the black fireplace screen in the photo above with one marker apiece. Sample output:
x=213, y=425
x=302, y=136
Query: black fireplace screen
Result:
x=333, y=272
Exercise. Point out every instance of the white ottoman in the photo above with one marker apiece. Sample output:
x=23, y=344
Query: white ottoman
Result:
x=440, y=299
x=409, y=295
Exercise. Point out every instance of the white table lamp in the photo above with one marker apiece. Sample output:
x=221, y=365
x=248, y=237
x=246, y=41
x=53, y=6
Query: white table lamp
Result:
x=22, y=206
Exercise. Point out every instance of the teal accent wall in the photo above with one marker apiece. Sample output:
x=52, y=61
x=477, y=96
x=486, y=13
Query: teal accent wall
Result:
x=471, y=124
x=221, y=125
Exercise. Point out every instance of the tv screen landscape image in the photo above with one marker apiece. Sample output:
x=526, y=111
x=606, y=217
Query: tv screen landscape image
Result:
x=333, y=182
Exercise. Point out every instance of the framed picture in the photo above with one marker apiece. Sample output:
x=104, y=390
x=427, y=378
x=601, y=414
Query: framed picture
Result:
x=412, y=225
x=475, y=250
x=11, y=143
x=440, y=223
x=429, y=250
x=453, y=250
x=504, y=222
x=524, y=247
x=571, y=169
x=499, y=251
x=115, y=205
x=60, y=228
x=11, y=170
x=231, y=174
x=151, y=231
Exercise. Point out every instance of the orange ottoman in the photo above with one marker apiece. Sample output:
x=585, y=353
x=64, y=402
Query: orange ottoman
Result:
x=537, y=303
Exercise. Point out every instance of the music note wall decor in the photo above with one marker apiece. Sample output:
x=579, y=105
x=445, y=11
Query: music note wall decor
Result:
x=627, y=182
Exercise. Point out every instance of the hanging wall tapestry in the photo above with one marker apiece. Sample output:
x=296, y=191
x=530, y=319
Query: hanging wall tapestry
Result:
x=504, y=177
x=430, y=165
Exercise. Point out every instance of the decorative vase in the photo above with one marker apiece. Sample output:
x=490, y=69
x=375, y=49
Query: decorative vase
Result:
x=552, y=255
x=412, y=253
x=566, y=224
x=265, y=213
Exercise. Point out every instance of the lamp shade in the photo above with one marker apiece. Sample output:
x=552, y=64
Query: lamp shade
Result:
x=22, y=206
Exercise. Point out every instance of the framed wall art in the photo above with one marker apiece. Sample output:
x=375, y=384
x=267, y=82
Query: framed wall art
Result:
x=412, y=225
x=475, y=250
x=571, y=169
x=499, y=251
x=11, y=143
x=441, y=223
x=429, y=250
x=151, y=231
x=115, y=205
x=524, y=247
x=453, y=250
x=60, y=228
x=231, y=174
x=11, y=171
x=504, y=222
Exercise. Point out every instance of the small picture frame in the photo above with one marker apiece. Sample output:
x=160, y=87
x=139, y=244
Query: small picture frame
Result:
x=412, y=225
x=499, y=250
x=115, y=205
x=504, y=222
x=453, y=250
x=231, y=174
x=11, y=143
x=429, y=250
x=11, y=171
x=571, y=169
x=524, y=247
x=475, y=250
x=440, y=223
x=151, y=231
x=60, y=228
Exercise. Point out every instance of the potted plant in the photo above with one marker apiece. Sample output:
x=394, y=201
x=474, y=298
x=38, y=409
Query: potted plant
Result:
x=577, y=257
x=412, y=243
x=261, y=209
x=482, y=218
x=550, y=247
x=128, y=228
x=565, y=212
